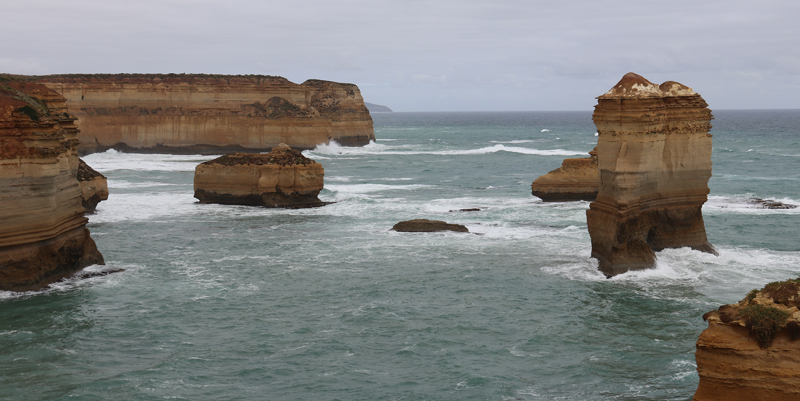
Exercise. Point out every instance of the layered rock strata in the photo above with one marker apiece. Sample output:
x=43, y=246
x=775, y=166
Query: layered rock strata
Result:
x=750, y=350
x=654, y=158
x=576, y=179
x=196, y=113
x=42, y=227
x=427, y=226
x=94, y=186
x=281, y=178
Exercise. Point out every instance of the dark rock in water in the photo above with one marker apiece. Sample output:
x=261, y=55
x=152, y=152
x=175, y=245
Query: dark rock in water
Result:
x=474, y=209
x=769, y=204
x=426, y=226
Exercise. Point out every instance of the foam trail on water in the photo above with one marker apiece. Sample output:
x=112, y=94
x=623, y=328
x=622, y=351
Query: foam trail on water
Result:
x=378, y=149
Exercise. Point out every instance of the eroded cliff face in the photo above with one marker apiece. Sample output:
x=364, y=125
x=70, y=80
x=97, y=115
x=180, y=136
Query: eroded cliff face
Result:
x=750, y=350
x=281, y=178
x=94, y=186
x=196, y=113
x=576, y=179
x=42, y=227
x=654, y=157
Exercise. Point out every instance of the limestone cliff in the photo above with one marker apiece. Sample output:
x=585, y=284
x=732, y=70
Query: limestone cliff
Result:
x=750, y=350
x=654, y=157
x=576, y=179
x=42, y=228
x=197, y=113
x=280, y=178
x=94, y=186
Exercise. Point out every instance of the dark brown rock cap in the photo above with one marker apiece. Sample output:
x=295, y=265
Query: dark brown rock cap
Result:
x=282, y=155
x=427, y=226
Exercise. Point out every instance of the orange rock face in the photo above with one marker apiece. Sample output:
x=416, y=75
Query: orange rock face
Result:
x=94, y=186
x=42, y=228
x=654, y=157
x=185, y=113
x=743, y=356
x=576, y=179
x=281, y=178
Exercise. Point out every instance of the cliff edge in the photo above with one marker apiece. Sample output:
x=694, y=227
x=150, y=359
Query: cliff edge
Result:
x=199, y=113
x=654, y=157
x=750, y=350
x=42, y=225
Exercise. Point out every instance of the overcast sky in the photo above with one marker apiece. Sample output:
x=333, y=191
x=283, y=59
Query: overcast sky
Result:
x=412, y=55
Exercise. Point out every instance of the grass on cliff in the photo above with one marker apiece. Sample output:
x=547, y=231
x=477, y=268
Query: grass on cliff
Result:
x=764, y=322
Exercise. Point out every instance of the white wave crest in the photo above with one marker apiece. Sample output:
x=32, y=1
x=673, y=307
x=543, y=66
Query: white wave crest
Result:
x=379, y=149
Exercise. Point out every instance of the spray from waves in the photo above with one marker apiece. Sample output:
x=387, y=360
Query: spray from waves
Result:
x=112, y=160
x=373, y=148
x=89, y=276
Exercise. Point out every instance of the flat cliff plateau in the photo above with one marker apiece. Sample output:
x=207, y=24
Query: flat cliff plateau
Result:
x=576, y=179
x=281, y=178
x=654, y=157
x=42, y=225
x=198, y=113
x=750, y=350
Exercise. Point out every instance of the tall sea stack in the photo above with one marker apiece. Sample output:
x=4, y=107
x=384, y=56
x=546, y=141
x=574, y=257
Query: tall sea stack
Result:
x=199, y=113
x=42, y=227
x=654, y=157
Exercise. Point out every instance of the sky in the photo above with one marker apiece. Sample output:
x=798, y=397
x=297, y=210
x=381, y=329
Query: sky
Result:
x=434, y=55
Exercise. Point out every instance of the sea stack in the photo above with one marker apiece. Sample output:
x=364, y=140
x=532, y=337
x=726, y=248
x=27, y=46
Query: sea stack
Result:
x=654, y=157
x=576, y=179
x=210, y=114
x=281, y=178
x=750, y=350
x=42, y=225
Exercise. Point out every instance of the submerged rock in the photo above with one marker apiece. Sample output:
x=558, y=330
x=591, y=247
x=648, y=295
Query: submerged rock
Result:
x=750, y=350
x=576, y=179
x=281, y=178
x=94, y=186
x=654, y=157
x=425, y=225
x=770, y=204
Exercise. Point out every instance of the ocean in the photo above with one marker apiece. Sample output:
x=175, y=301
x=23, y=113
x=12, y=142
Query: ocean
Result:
x=249, y=303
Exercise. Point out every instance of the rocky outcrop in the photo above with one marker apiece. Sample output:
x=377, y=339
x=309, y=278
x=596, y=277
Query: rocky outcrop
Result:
x=654, y=157
x=750, y=350
x=576, y=179
x=427, y=226
x=94, y=186
x=42, y=227
x=280, y=178
x=197, y=113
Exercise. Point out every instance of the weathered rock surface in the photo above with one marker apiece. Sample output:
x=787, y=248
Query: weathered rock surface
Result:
x=426, y=226
x=750, y=350
x=197, y=113
x=576, y=179
x=42, y=227
x=280, y=178
x=94, y=186
x=654, y=157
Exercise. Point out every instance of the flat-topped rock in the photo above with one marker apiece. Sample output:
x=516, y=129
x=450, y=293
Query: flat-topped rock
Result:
x=750, y=350
x=426, y=226
x=281, y=178
x=576, y=179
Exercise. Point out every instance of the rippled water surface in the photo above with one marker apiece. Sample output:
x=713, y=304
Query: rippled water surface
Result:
x=246, y=303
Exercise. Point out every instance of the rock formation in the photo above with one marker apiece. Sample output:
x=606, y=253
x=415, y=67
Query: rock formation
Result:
x=427, y=226
x=750, y=350
x=654, y=157
x=94, y=186
x=576, y=179
x=196, y=113
x=280, y=178
x=42, y=227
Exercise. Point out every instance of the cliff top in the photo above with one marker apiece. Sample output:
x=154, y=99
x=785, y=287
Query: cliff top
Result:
x=633, y=85
x=764, y=312
x=172, y=78
x=280, y=155
x=24, y=97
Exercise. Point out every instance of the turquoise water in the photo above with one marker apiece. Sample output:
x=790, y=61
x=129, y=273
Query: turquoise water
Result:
x=244, y=303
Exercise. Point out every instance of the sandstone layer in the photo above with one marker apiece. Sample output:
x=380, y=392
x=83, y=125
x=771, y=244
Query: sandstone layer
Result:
x=94, y=186
x=576, y=179
x=197, y=113
x=280, y=178
x=654, y=158
x=427, y=226
x=750, y=350
x=42, y=227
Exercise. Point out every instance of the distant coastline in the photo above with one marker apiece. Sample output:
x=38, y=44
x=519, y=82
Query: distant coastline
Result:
x=377, y=108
